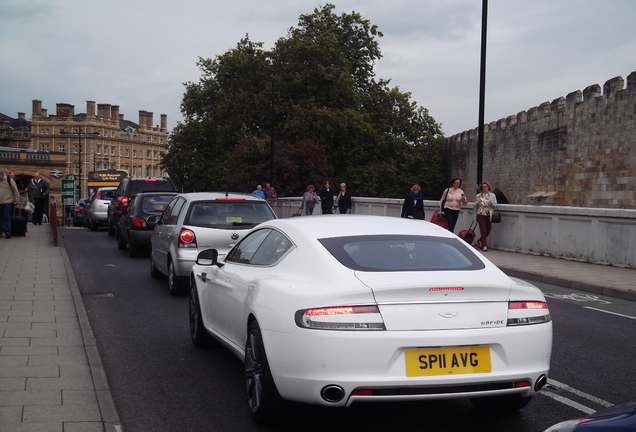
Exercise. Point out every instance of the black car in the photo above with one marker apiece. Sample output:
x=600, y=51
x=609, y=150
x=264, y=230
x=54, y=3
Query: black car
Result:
x=127, y=189
x=136, y=225
x=617, y=418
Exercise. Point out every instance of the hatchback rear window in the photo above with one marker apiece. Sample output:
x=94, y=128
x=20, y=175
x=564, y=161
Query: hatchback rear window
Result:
x=402, y=253
x=155, y=203
x=228, y=214
x=151, y=185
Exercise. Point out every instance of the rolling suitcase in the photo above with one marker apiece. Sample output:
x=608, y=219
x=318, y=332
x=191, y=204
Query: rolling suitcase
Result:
x=18, y=223
x=468, y=235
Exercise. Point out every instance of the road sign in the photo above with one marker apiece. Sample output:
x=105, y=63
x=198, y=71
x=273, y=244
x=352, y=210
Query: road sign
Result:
x=68, y=192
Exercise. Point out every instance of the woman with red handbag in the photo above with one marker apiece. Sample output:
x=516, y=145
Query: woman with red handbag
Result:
x=452, y=200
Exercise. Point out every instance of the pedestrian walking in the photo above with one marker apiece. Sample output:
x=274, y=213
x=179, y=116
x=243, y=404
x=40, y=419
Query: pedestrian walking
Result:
x=413, y=206
x=343, y=200
x=309, y=200
x=451, y=202
x=9, y=196
x=326, y=199
x=38, y=195
x=485, y=204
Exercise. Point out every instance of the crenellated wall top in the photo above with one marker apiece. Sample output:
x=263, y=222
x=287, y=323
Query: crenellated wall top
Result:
x=592, y=93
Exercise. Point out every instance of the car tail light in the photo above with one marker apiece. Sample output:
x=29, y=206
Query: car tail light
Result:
x=341, y=318
x=187, y=239
x=78, y=208
x=123, y=203
x=139, y=222
x=527, y=313
x=99, y=195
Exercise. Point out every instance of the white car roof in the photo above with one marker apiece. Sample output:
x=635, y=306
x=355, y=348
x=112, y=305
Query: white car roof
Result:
x=326, y=226
x=202, y=196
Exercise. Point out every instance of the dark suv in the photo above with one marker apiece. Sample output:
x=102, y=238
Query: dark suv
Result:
x=128, y=188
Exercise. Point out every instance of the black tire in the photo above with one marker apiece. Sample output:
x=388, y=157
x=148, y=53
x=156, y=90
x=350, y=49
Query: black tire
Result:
x=154, y=273
x=121, y=244
x=200, y=337
x=111, y=226
x=263, y=400
x=498, y=404
x=133, y=250
x=175, y=285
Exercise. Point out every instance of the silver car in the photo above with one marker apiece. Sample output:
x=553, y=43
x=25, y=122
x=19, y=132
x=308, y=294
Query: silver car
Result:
x=96, y=209
x=196, y=221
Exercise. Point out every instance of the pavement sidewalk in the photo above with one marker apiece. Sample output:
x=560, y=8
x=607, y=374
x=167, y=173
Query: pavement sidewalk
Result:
x=51, y=374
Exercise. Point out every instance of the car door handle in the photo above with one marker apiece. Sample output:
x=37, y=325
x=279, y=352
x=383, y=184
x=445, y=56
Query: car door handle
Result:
x=204, y=276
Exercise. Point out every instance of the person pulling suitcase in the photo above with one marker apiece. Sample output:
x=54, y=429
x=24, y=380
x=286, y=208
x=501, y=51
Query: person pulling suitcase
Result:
x=9, y=196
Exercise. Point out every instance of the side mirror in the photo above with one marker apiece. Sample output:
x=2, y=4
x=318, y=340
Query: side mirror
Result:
x=208, y=257
x=154, y=219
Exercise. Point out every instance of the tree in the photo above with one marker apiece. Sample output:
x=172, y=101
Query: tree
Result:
x=333, y=118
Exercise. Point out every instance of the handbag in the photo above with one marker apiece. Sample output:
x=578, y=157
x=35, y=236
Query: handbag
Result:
x=28, y=206
x=496, y=216
x=439, y=219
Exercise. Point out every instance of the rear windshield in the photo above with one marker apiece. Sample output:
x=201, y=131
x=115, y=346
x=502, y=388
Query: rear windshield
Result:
x=155, y=203
x=228, y=214
x=402, y=253
x=150, y=186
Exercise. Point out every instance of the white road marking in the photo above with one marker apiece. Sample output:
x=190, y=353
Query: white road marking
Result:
x=569, y=402
x=579, y=393
x=613, y=313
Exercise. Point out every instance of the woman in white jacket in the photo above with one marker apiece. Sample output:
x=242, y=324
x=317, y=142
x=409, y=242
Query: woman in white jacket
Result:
x=485, y=204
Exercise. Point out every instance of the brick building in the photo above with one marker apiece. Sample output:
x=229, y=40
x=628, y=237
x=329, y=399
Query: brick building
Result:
x=78, y=143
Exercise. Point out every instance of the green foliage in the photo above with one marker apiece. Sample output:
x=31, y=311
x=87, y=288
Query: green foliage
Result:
x=333, y=119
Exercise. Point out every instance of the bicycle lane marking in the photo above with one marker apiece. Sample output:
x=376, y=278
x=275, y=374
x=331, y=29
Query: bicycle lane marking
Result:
x=570, y=402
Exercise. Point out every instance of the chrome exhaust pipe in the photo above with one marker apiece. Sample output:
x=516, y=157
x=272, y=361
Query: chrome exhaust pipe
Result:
x=541, y=382
x=332, y=393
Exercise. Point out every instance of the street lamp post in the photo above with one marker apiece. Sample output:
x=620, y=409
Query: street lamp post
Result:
x=79, y=134
x=272, y=118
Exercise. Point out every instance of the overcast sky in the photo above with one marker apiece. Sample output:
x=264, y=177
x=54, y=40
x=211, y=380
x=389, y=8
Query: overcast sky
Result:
x=138, y=53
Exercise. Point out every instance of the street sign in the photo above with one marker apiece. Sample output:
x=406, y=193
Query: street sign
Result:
x=68, y=192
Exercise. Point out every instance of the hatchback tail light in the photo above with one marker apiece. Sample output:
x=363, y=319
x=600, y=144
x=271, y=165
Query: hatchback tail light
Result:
x=139, y=222
x=187, y=239
x=527, y=313
x=341, y=318
x=123, y=203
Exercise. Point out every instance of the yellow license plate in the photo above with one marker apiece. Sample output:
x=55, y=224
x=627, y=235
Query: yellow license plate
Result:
x=448, y=361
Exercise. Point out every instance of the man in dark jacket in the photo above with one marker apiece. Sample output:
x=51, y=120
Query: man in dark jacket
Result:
x=38, y=194
x=326, y=199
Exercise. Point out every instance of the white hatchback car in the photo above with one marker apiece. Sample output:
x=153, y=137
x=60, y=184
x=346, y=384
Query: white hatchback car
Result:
x=332, y=310
x=96, y=209
x=196, y=221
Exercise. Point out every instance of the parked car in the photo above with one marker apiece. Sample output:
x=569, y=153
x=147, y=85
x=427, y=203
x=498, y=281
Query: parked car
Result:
x=78, y=213
x=128, y=188
x=96, y=208
x=335, y=310
x=137, y=224
x=201, y=220
x=613, y=419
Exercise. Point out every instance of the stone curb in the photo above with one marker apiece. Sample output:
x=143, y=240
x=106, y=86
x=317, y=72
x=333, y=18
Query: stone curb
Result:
x=108, y=411
x=595, y=289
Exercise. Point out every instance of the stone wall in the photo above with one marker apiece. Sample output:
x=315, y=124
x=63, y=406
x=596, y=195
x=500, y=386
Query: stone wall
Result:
x=575, y=151
x=600, y=236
